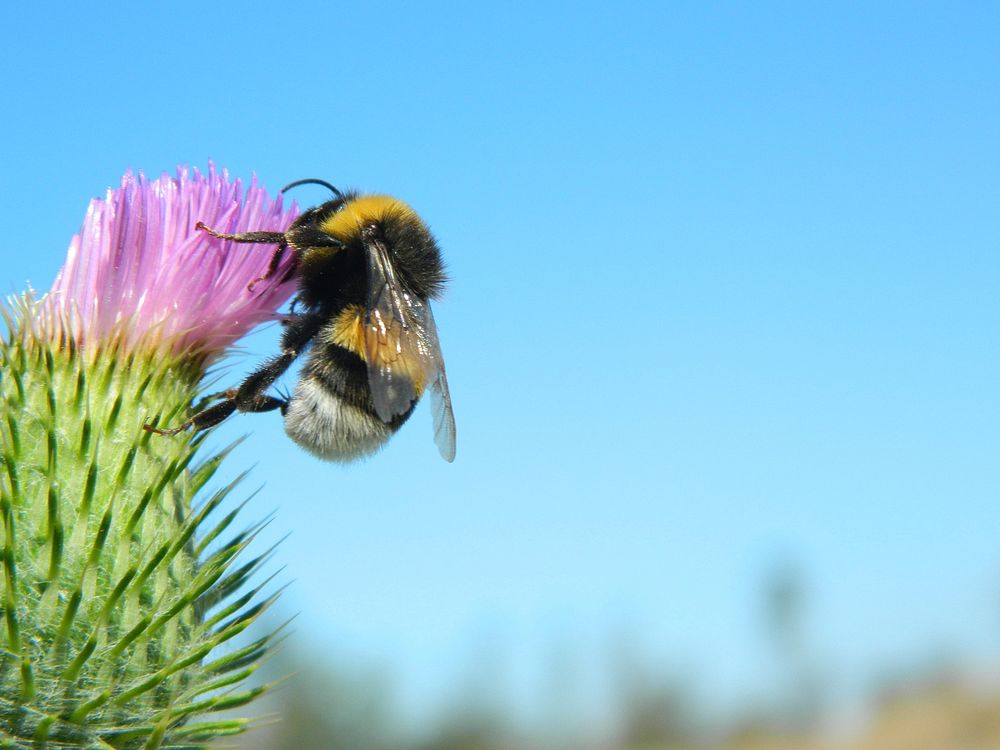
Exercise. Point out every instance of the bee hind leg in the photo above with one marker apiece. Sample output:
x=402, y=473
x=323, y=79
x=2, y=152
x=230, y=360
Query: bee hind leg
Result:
x=251, y=395
x=228, y=393
x=201, y=421
x=213, y=415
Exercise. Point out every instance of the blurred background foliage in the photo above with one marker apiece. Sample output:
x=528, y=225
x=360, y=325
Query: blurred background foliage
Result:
x=935, y=704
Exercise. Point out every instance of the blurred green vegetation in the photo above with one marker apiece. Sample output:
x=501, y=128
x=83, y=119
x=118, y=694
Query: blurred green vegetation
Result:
x=318, y=707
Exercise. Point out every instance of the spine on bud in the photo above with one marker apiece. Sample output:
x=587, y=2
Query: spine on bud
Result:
x=116, y=586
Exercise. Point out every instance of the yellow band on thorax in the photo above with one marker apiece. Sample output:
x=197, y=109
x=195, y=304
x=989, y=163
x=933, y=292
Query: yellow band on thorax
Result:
x=364, y=210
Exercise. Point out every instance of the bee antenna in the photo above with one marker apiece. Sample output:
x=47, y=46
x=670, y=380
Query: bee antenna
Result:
x=312, y=181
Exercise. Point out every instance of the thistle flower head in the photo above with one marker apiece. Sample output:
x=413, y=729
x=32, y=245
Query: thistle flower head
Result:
x=141, y=276
x=117, y=589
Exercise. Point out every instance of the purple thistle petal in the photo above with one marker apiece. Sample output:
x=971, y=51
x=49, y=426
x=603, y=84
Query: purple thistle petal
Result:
x=139, y=275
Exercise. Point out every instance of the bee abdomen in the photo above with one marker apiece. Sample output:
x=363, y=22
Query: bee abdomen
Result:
x=330, y=427
x=327, y=426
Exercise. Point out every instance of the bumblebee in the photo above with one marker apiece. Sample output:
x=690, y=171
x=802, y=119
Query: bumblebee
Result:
x=367, y=267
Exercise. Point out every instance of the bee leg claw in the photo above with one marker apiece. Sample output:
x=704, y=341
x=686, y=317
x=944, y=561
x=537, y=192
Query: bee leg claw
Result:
x=159, y=431
x=228, y=393
x=201, y=421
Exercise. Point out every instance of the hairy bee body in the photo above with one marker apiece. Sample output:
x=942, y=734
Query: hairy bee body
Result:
x=332, y=413
x=366, y=268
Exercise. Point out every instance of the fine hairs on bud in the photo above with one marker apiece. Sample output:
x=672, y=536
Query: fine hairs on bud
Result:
x=125, y=587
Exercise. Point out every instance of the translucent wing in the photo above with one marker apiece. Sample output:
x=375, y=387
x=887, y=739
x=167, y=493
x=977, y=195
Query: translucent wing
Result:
x=402, y=350
x=444, y=417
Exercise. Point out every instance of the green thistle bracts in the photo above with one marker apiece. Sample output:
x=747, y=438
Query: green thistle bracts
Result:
x=116, y=585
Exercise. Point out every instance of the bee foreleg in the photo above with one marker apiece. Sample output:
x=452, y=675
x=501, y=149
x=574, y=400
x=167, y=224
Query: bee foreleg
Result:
x=266, y=238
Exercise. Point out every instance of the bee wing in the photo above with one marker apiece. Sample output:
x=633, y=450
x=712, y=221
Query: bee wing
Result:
x=402, y=350
x=444, y=417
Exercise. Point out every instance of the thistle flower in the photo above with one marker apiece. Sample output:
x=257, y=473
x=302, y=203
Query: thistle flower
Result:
x=116, y=589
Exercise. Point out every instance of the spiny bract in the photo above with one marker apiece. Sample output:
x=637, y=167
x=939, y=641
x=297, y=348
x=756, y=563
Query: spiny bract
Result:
x=114, y=596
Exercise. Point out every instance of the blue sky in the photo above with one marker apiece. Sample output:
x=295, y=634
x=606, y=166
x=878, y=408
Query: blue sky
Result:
x=724, y=295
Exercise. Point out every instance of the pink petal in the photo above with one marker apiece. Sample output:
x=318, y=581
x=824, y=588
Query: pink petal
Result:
x=139, y=275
